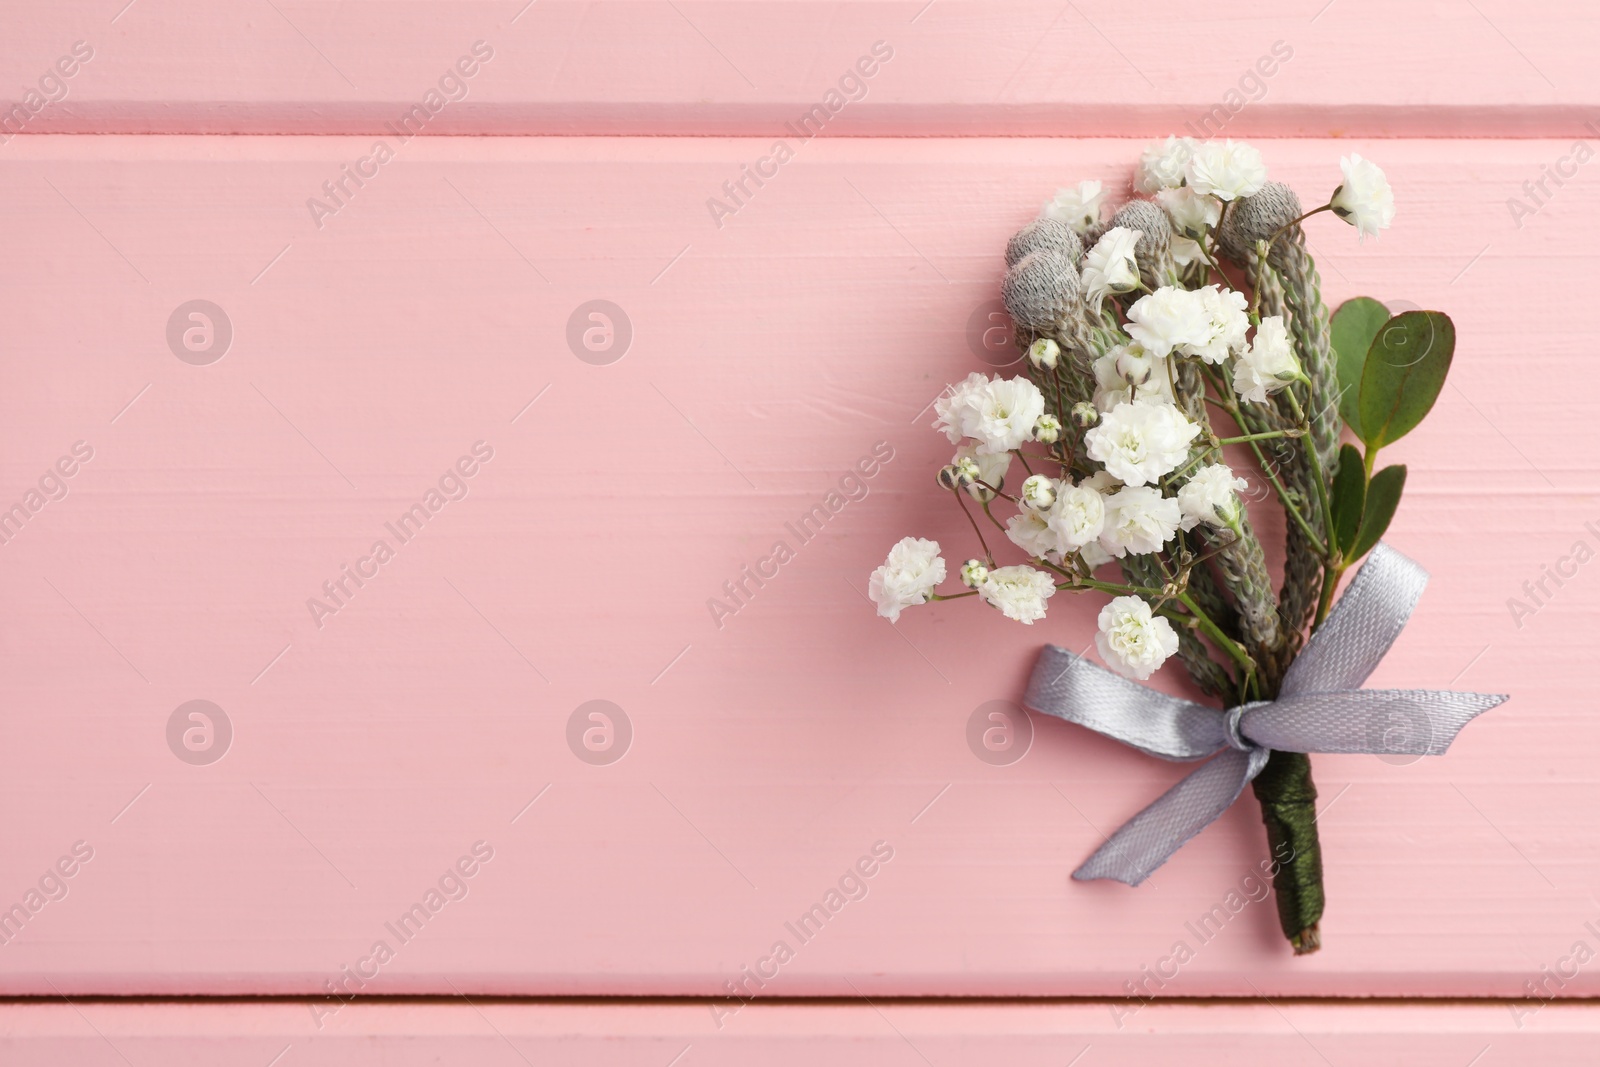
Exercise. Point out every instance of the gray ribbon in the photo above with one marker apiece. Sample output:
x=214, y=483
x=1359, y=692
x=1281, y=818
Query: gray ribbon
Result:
x=1321, y=707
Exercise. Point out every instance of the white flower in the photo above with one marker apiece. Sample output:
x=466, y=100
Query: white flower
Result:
x=1044, y=353
x=1226, y=171
x=1139, y=520
x=1191, y=213
x=1110, y=266
x=1268, y=365
x=1078, y=208
x=1133, y=640
x=1365, y=200
x=1227, y=320
x=1047, y=430
x=1077, y=518
x=1019, y=592
x=976, y=466
x=1030, y=531
x=1211, y=497
x=1128, y=373
x=913, y=568
x=1163, y=165
x=1138, y=443
x=973, y=572
x=1038, y=491
x=1167, y=318
x=957, y=409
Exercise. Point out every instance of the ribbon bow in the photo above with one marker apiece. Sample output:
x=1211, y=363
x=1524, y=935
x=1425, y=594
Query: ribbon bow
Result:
x=1321, y=707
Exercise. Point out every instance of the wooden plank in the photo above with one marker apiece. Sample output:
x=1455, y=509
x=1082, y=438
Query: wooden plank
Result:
x=1358, y=68
x=770, y=754
x=399, y=1034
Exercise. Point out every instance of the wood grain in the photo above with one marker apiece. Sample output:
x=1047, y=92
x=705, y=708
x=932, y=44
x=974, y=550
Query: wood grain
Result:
x=399, y=1034
x=770, y=754
x=1306, y=68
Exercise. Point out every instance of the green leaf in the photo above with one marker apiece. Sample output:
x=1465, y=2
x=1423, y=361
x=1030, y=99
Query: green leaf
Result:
x=1383, y=496
x=1354, y=326
x=1349, y=497
x=1405, y=370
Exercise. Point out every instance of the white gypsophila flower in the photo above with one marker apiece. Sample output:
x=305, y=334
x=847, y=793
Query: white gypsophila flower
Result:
x=956, y=409
x=1227, y=322
x=1163, y=165
x=1132, y=639
x=998, y=414
x=976, y=465
x=1094, y=556
x=973, y=572
x=1139, y=520
x=1038, y=491
x=906, y=579
x=1044, y=353
x=1268, y=365
x=1211, y=496
x=1047, y=431
x=1191, y=213
x=1077, y=518
x=1128, y=373
x=1030, y=531
x=1167, y=318
x=1019, y=592
x=1226, y=171
x=1005, y=414
x=1078, y=207
x=1365, y=200
x=1110, y=267
x=1138, y=443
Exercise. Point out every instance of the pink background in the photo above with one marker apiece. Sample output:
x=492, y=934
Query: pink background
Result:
x=768, y=355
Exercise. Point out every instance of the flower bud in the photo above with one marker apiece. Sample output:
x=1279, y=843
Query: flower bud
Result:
x=1038, y=492
x=1044, y=353
x=967, y=470
x=1084, y=414
x=949, y=477
x=1047, y=430
x=973, y=572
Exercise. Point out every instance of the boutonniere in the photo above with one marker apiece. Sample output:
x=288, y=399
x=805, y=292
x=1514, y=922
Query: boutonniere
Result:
x=1176, y=366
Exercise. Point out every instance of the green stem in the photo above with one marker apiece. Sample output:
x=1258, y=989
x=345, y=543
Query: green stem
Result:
x=1323, y=504
x=1267, y=435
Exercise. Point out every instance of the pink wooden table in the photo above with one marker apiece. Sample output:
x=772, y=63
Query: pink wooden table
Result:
x=562, y=499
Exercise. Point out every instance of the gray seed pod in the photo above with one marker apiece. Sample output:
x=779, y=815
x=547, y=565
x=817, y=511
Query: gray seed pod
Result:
x=1041, y=291
x=1153, y=253
x=1150, y=220
x=1044, y=233
x=1256, y=218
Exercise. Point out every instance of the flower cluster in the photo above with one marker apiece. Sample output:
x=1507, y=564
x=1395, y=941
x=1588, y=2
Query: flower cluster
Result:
x=1135, y=338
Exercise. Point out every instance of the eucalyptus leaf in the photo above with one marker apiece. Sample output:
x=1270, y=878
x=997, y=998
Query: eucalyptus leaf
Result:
x=1383, y=497
x=1354, y=326
x=1349, y=497
x=1404, y=372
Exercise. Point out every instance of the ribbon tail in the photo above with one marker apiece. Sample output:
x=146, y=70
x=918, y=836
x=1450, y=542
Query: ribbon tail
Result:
x=1151, y=837
x=1072, y=688
x=1416, y=722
